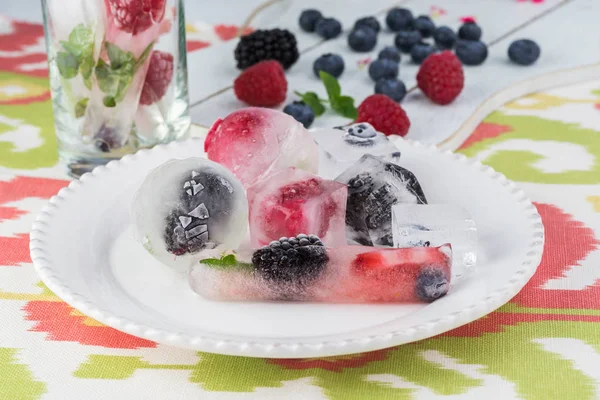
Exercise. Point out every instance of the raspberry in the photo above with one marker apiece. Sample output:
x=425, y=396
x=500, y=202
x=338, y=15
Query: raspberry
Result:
x=158, y=77
x=135, y=16
x=384, y=114
x=262, y=85
x=441, y=77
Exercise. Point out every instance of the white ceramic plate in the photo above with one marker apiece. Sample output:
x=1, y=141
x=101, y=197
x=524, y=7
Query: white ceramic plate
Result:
x=83, y=249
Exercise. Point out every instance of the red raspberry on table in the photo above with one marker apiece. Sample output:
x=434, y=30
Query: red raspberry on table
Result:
x=262, y=85
x=135, y=16
x=441, y=77
x=384, y=114
x=158, y=77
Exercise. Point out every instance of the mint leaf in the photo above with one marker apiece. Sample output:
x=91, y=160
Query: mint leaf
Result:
x=142, y=58
x=68, y=64
x=118, y=58
x=114, y=79
x=80, y=107
x=332, y=86
x=109, y=101
x=228, y=261
x=313, y=101
x=86, y=67
x=81, y=40
x=345, y=107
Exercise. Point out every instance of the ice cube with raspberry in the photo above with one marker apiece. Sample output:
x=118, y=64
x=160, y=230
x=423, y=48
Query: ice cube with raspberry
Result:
x=255, y=142
x=293, y=201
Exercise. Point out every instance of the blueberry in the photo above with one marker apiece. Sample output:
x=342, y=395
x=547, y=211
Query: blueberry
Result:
x=106, y=139
x=392, y=88
x=424, y=25
x=471, y=52
x=432, y=283
x=301, y=113
x=328, y=28
x=398, y=19
x=308, y=19
x=469, y=31
x=421, y=51
x=362, y=39
x=383, y=69
x=389, y=53
x=444, y=37
x=524, y=51
x=370, y=22
x=333, y=64
x=405, y=40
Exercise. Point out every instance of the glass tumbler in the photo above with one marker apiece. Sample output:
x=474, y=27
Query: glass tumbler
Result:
x=118, y=77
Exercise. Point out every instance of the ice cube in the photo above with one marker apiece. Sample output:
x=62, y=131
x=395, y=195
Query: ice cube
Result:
x=184, y=207
x=255, y=142
x=433, y=225
x=374, y=186
x=341, y=147
x=293, y=201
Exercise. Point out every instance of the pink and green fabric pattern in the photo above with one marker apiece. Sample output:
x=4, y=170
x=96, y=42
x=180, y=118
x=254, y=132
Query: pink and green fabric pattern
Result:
x=543, y=344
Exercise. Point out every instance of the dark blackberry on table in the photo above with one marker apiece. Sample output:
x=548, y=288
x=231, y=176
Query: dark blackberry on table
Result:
x=273, y=44
x=432, y=283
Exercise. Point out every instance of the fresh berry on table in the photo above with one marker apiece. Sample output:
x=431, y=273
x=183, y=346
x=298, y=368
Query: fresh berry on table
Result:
x=333, y=64
x=274, y=44
x=399, y=19
x=158, y=77
x=421, y=51
x=261, y=85
x=389, y=53
x=471, y=52
x=379, y=69
x=362, y=39
x=524, y=52
x=384, y=114
x=441, y=77
x=470, y=31
x=308, y=19
x=393, y=88
x=370, y=22
x=424, y=25
x=405, y=40
x=328, y=28
x=301, y=113
x=444, y=37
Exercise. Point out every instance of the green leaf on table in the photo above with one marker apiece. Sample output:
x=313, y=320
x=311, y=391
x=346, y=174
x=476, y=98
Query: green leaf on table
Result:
x=143, y=57
x=344, y=105
x=225, y=262
x=109, y=101
x=80, y=107
x=312, y=100
x=332, y=86
x=67, y=63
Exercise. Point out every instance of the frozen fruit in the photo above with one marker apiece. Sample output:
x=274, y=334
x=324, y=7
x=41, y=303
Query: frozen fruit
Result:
x=293, y=201
x=524, y=52
x=471, y=52
x=441, y=77
x=424, y=25
x=384, y=114
x=328, y=28
x=158, y=77
x=389, y=53
x=254, y=142
x=333, y=64
x=398, y=19
x=362, y=39
x=135, y=16
x=469, y=31
x=374, y=186
x=431, y=284
x=421, y=51
x=262, y=85
x=370, y=22
x=385, y=68
x=444, y=37
x=301, y=113
x=298, y=259
x=273, y=44
x=308, y=19
x=393, y=88
x=405, y=40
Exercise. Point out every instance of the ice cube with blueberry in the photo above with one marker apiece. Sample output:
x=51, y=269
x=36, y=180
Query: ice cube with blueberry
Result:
x=293, y=201
x=185, y=207
x=341, y=147
x=374, y=186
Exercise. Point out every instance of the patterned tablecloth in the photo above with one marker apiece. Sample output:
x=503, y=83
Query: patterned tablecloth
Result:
x=544, y=344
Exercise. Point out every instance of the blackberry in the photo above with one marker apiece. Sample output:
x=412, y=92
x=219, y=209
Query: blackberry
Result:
x=308, y=19
x=405, y=40
x=370, y=22
x=399, y=19
x=524, y=52
x=328, y=28
x=274, y=44
x=299, y=259
x=389, y=53
x=301, y=112
x=432, y=283
x=470, y=31
x=362, y=39
x=392, y=88
x=471, y=52
x=379, y=69
x=444, y=37
x=424, y=25
x=333, y=64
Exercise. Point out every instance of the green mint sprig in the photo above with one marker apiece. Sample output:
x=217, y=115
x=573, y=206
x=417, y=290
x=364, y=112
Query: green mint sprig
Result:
x=226, y=262
x=343, y=105
x=78, y=55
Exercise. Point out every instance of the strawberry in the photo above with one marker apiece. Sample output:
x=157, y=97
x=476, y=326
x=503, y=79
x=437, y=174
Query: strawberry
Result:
x=384, y=114
x=262, y=85
x=441, y=77
x=158, y=77
x=135, y=16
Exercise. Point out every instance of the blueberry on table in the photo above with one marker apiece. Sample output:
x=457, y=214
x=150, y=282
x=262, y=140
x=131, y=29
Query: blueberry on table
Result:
x=469, y=31
x=405, y=40
x=369, y=22
x=389, y=53
x=471, y=52
x=424, y=25
x=362, y=39
x=444, y=37
x=398, y=19
x=301, y=113
x=333, y=64
x=392, y=88
x=379, y=69
x=308, y=19
x=524, y=52
x=421, y=51
x=328, y=28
